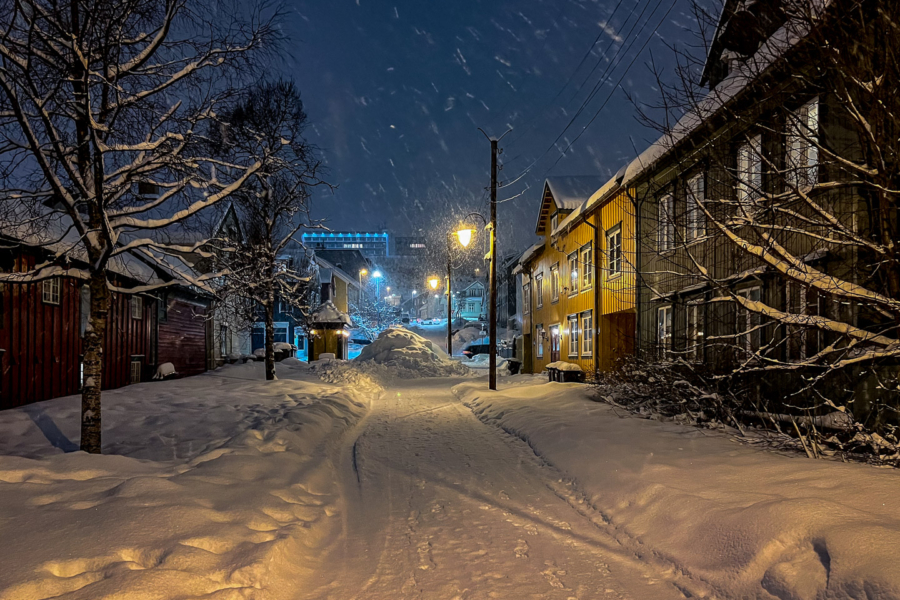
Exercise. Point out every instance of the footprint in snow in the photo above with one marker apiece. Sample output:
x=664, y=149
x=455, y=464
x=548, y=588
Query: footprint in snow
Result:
x=521, y=549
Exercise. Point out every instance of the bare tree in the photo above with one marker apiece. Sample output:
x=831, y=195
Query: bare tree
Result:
x=788, y=175
x=102, y=107
x=269, y=265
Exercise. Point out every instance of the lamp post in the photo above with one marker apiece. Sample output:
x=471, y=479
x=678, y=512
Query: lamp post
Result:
x=465, y=234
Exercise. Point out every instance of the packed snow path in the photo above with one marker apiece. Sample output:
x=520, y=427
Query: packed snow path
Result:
x=440, y=505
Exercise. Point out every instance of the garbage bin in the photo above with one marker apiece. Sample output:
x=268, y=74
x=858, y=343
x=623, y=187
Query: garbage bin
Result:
x=513, y=366
x=571, y=376
x=552, y=374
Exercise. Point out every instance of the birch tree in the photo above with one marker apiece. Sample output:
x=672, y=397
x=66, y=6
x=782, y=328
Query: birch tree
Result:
x=798, y=190
x=103, y=103
x=269, y=265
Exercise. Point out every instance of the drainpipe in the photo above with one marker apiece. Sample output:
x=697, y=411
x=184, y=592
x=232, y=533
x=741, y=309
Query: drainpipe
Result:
x=636, y=203
x=595, y=255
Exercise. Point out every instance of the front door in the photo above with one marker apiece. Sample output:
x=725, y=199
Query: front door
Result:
x=554, y=343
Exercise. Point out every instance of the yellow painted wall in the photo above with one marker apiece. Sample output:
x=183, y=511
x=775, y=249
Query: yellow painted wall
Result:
x=617, y=292
x=340, y=294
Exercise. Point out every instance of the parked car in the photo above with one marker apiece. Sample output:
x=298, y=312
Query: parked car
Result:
x=474, y=349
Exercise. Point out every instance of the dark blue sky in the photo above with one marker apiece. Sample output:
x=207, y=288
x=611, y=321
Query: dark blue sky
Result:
x=395, y=91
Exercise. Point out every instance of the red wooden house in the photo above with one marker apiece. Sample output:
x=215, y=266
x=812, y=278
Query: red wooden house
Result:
x=42, y=324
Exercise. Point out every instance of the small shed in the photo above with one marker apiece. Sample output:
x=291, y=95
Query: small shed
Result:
x=329, y=330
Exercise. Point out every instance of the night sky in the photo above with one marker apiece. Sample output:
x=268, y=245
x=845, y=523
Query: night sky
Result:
x=395, y=92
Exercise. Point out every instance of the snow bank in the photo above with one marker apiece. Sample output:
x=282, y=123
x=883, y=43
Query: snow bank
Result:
x=562, y=365
x=482, y=361
x=747, y=523
x=292, y=361
x=409, y=355
x=215, y=486
x=165, y=370
x=282, y=346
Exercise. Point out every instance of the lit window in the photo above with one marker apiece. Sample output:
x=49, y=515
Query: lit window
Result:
x=802, y=145
x=137, y=307
x=666, y=232
x=695, y=225
x=587, y=333
x=573, y=273
x=614, y=250
x=51, y=291
x=573, y=334
x=539, y=340
x=587, y=266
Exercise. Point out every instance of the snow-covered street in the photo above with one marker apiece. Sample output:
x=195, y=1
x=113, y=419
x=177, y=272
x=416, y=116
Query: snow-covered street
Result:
x=400, y=475
x=440, y=505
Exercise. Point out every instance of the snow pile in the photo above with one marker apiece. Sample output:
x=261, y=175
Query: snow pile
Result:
x=408, y=355
x=165, y=370
x=470, y=333
x=749, y=524
x=342, y=372
x=562, y=365
x=292, y=361
x=282, y=346
x=214, y=486
x=482, y=361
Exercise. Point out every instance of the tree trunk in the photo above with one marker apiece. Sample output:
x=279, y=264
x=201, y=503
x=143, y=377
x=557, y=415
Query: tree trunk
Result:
x=93, y=364
x=270, y=335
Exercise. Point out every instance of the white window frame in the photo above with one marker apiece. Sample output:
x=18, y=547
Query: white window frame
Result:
x=587, y=266
x=695, y=217
x=614, y=251
x=539, y=290
x=587, y=333
x=286, y=326
x=136, y=369
x=554, y=221
x=666, y=233
x=695, y=330
x=573, y=273
x=539, y=340
x=749, y=172
x=802, y=308
x=573, y=337
x=750, y=332
x=554, y=283
x=801, y=146
x=664, y=330
x=526, y=299
x=50, y=291
x=137, y=307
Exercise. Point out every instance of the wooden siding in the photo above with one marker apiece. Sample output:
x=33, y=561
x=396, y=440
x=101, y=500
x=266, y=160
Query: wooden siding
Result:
x=40, y=343
x=182, y=337
x=127, y=337
x=614, y=327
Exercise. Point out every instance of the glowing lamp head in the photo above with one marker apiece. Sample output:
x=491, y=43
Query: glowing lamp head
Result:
x=434, y=282
x=363, y=272
x=465, y=236
x=377, y=274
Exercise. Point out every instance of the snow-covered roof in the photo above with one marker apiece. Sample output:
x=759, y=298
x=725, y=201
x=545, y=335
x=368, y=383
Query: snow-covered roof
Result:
x=715, y=101
x=567, y=193
x=527, y=256
x=570, y=192
x=595, y=200
x=329, y=313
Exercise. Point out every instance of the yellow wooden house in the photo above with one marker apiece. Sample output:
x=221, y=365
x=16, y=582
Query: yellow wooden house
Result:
x=586, y=225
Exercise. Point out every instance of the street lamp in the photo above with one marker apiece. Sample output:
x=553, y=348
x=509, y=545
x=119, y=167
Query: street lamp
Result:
x=434, y=282
x=465, y=234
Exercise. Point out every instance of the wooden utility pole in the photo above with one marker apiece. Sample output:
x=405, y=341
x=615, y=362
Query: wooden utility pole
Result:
x=493, y=293
x=449, y=305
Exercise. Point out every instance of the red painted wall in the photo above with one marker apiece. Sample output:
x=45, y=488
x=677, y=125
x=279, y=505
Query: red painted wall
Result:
x=182, y=337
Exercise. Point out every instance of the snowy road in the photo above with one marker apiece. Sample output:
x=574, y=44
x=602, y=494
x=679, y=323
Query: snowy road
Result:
x=440, y=505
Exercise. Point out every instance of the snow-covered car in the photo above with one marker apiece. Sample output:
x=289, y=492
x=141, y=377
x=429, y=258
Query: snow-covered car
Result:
x=475, y=349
